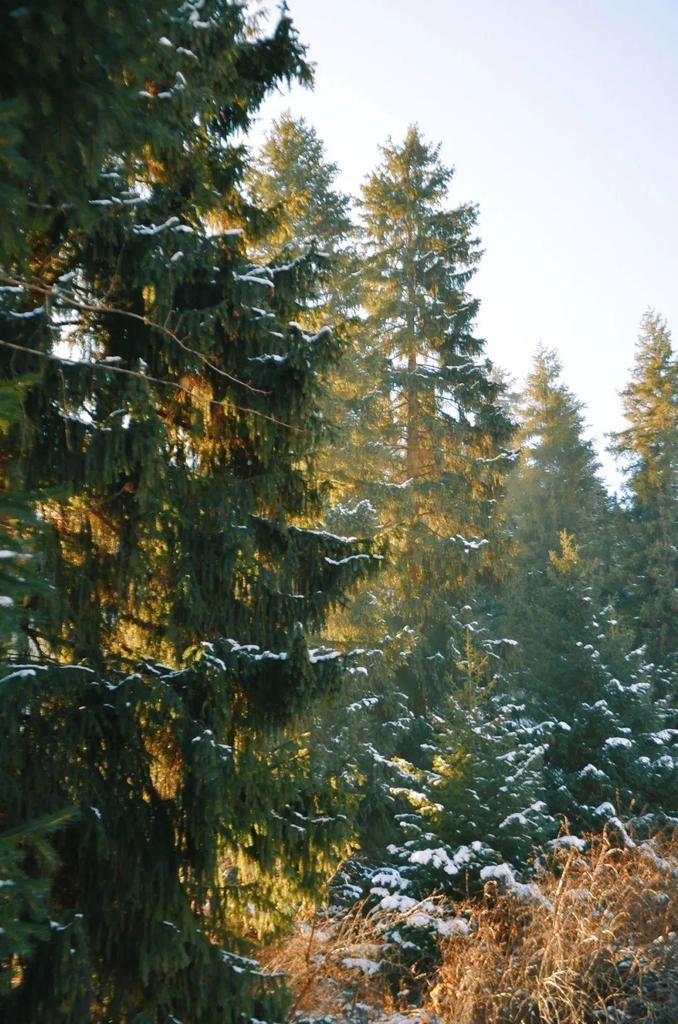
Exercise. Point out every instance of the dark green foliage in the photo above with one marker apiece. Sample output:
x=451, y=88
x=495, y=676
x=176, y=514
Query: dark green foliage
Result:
x=27, y=863
x=417, y=459
x=161, y=800
x=575, y=662
x=560, y=722
x=114, y=80
x=615, y=754
x=160, y=425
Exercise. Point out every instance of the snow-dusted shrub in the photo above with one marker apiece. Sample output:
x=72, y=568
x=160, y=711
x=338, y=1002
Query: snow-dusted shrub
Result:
x=592, y=939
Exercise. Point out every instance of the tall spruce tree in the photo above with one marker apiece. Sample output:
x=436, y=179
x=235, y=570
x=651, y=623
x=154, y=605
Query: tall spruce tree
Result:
x=365, y=463
x=293, y=179
x=420, y=458
x=648, y=447
x=439, y=433
x=165, y=440
x=295, y=182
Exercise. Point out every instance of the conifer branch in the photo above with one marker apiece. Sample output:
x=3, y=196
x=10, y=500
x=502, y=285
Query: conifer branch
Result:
x=144, y=376
x=86, y=307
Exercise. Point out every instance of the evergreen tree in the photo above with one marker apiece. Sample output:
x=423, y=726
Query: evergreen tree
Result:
x=648, y=447
x=365, y=464
x=295, y=182
x=437, y=434
x=610, y=748
x=555, y=509
x=554, y=486
x=419, y=460
x=292, y=178
x=165, y=441
x=480, y=798
x=613, y=750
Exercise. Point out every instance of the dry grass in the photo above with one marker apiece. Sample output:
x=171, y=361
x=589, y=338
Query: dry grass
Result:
x=598, y=944
x=322, y=961
x=601, y=947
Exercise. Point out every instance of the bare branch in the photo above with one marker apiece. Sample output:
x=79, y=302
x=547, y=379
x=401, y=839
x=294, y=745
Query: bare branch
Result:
x=108, y=368
x=85, y=307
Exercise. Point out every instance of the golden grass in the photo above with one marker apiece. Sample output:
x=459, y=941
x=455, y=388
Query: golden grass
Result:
x=317, y=960
x=599, y=944
x=601, y=947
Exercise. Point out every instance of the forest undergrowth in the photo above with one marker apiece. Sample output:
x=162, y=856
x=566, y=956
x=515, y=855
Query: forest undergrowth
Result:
x=592, y=937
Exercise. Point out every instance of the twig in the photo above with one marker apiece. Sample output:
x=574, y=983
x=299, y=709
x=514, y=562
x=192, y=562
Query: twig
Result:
x=86, y=307
x=107, y=367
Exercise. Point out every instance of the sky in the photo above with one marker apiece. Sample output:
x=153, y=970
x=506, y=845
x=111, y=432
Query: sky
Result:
x=559, y=117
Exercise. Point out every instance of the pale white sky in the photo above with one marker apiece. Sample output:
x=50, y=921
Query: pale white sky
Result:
x=560, y=117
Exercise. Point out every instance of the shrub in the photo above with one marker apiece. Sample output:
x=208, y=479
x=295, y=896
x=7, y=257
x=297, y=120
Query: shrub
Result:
x=594, y=939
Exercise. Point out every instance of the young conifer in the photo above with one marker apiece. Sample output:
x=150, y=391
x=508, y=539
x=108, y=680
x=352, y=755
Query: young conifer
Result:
x=555, y=509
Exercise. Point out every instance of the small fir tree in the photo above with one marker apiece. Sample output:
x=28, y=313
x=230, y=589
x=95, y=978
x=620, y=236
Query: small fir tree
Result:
x=554, y=485
x=556, y=514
